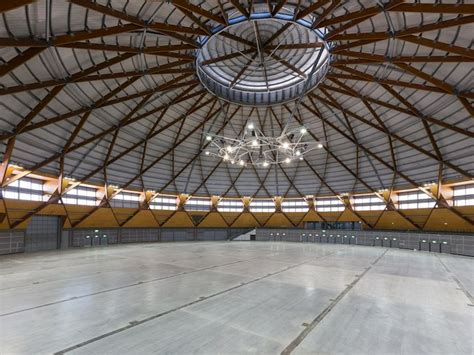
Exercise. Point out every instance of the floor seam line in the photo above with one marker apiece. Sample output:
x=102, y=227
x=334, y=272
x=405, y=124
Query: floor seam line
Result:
x=299, y=339
x=145, y=320
x=456, y=280
x=123, y=287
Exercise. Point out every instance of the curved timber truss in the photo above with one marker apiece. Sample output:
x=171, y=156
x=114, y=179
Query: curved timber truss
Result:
x=107, y=92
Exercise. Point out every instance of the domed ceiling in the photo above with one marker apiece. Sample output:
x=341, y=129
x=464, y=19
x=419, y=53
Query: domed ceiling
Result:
x=126, y=92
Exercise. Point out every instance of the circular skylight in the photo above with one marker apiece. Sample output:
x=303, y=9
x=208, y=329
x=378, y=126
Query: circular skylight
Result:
x=262, y=61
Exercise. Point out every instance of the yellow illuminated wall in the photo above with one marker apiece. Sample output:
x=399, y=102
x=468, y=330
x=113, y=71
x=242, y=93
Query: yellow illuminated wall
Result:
x=437, y=219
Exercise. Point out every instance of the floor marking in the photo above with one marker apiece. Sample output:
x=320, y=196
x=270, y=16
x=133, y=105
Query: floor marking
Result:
x=455, y=279
x=299, y=339
x=145, y=320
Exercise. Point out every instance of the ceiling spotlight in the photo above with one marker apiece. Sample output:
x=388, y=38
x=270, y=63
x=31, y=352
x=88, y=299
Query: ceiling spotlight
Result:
x=301, y=158
x=254, y=143
x=208, y=138
x=242, y=162
x=232, y=162
x=320, y=145
x=207, y=152
x=226, y=157
x=298, y=153
x=265, y=163
x=288, y=160
x=250, y=126
x=229, y=149
x=286, y=145
x=303, y=130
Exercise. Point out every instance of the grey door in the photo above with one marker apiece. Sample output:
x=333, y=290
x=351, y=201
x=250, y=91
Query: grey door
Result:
x=378, y=241
x=43, y=233
x=87, y=242
x=394, y=243
x=352, y=239
x=104, y=239
x=424, y=245
x=386, y=242
x=445, y=247
x=346, y=239
x=435, y=246
x=95, y=241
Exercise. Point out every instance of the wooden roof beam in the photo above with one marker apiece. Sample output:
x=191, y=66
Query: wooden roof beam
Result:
x=240, y=8
x=20, y=59
x=364, y=13
x=410, y=85
x=82, y=75
x=465, y=52
x=435, y=8
x=279, y=5
x=406, y=111
x=368, y=151
x=326, y=13
x=311, y=8
x=103, y=102
x=8, y=5
x=134, y=21
x=183, y=4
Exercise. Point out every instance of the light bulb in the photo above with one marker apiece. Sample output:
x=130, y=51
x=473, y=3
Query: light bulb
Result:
x=265, y=163
x=301, y=158
x=288, y=160
x=242, y=162
x=298, y=153
x=207, y=152
x=286, y=145
x=208, y=138
x=250, y=126
x=254, y=143
x=319, y=145
x=303, y=130
x=229, y=148
x=226, y=157
x=232, y=161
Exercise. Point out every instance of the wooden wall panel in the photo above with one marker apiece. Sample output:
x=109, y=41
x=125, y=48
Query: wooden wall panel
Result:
x=245, y=220
x=348, y=216
x=101, y=218
x=142, y=219
x=393, y=220
x=179, y=220
x=445, y=220
x=278, y=220
x=440, y=219
x=213, y=220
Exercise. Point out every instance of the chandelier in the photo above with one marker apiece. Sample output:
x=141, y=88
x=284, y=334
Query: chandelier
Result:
x=254, y=148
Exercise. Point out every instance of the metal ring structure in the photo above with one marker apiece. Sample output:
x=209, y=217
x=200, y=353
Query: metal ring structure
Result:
x=262, y=61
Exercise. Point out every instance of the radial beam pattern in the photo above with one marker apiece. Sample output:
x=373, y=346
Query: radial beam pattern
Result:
x=107, y=92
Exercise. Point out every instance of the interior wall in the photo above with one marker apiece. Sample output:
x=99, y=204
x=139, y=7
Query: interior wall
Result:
x=434, y=242
x=12, y=242
x=43, y=233
x=461, y=244
x=459, y=219
x=87, y=238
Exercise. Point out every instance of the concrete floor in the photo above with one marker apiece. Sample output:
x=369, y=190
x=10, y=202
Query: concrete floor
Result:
x=236, y=297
